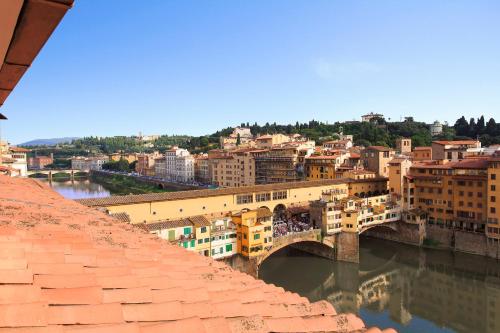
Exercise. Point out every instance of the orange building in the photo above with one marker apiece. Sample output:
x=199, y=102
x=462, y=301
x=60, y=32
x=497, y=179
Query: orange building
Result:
x=422, y=154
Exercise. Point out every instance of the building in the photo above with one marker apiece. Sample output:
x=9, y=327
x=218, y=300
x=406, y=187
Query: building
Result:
x=324, y=166
x=376, y=158
x=254, y=229
x=13, y=160
x=370, y=116
x=422, y=154
x=493, y=198
x=146, y=163
x=403, y=145
x=39, y=162
x=453, y=194
x=243, y=134
x=202, y=169
x=88, y=163
x=179, y=232
x=234, y=168
x=202, y=227
x=270, y=140
x=453, y=150
x=398, y=168
x=337, y=144
x=223, y=238
x=336, y=212
x=436, y=128
x=129, y=157
x=278, y=165
x=177, y=165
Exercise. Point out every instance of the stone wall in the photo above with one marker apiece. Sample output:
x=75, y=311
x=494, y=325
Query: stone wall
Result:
x=315, y=248
x=469, y=242
x=440, y=236
x=408, y=233
x=348, y=247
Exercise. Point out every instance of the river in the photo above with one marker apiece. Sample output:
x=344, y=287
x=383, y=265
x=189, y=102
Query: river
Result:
x=408, y=288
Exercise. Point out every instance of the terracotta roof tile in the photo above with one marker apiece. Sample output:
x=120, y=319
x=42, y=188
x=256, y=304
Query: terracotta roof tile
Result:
x=79, y=270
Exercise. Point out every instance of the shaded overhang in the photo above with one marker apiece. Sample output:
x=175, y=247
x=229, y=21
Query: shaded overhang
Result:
x=25, y=26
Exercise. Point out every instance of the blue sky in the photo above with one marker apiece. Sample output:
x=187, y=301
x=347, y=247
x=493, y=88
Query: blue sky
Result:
x=118, y=67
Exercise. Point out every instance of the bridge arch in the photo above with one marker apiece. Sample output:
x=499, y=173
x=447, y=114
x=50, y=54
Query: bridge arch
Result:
x=387, y=226
x=160, y=186
x=313, y=246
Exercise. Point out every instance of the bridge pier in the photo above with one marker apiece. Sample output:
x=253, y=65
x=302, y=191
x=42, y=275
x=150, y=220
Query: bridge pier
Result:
x=347, y=247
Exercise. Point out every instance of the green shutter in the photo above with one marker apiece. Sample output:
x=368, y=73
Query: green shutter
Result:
x=229, y=247
x=185, y=244
x=171, y=235
x=192, y=243
x=187, y=231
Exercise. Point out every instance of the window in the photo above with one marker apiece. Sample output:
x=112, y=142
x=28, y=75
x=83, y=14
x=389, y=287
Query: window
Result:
x=256, y=236
x=200, y=241
x=259, y=197
x=244, y=199
x=207, y=240
x=493, y=210
x=192, y=243
x=203, y=229
x=279, y=195
x=493, y=176
x=493, y=198
x=187, y=231
x=493, y=188
x=479, y=194
x=229, y=247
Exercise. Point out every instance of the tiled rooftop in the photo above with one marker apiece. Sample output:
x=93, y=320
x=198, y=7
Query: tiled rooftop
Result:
x=68, y=268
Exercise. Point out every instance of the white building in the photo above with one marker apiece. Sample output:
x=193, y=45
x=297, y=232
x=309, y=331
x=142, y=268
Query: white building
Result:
x=436, y=128
x=223, y=233
x=369, y=116
x=177, y=165
x=13, y=160
x=88, y=163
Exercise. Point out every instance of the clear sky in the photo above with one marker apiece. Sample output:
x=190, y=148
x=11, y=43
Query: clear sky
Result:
x=117, y=67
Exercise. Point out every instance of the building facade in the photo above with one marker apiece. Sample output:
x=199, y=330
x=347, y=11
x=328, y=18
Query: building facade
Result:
x=376, y=158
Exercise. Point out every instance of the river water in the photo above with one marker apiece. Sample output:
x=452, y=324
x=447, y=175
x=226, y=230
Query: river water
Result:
x=81, y=189
x=394, y=285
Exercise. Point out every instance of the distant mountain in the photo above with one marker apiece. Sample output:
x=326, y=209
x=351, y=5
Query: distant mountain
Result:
x=48, y=142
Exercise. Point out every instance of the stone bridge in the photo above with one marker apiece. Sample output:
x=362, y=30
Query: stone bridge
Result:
x=342, y=246
x=51, y=173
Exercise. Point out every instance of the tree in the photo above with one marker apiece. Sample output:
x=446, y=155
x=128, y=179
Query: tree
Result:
x=461, y=126
x=491, y=127
x=238, y=139
x=480, y=127
x=472, y=128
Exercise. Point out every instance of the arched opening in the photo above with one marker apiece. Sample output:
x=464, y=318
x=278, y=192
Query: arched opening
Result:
x=279, y=212
x=370, y=193
x=61, y=176
x=362, y=195
x=160, y=186
x=39, y=175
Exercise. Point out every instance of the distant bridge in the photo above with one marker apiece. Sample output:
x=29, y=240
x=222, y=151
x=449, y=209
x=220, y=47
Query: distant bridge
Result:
x=50, y=173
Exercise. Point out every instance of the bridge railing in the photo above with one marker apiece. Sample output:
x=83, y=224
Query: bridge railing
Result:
x=290, y=237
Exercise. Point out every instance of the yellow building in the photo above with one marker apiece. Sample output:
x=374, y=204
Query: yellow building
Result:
x=493, y=190
x=376, y=158
x=202, y=234
x=234, y=168
x=324, y=166
x=254, y=229
x=398, y=168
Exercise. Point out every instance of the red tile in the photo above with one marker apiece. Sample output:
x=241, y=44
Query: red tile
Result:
x=126, y=281
x=153, y=312
x=45, y=257
x=45, y=329
x=65, y=281
x=13, y=263
x=18, y=253
x=22, y=315
x=85, y=260
x=19, y=294
x=108, y=271
x=85, y=314
x=106, y=328
x=190, y=325
x=16, y=276
x=68, y=296
x=130, y=295
x=56, y=269
x=216, y=325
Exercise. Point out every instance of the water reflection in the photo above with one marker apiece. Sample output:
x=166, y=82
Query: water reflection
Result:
x=80, y=189
x=410, y=289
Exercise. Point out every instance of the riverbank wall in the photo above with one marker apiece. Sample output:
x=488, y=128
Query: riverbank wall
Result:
x=159, y=184
x=439, y=237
